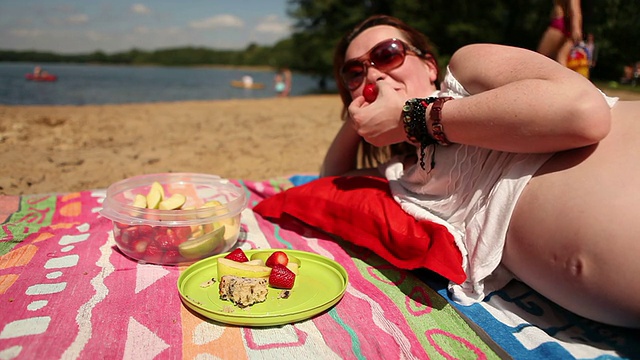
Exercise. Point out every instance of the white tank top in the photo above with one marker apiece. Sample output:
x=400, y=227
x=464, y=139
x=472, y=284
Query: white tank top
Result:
x=473, y=192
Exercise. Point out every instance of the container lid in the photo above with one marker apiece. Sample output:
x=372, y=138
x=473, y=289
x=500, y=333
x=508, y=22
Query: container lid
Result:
x=198, y=189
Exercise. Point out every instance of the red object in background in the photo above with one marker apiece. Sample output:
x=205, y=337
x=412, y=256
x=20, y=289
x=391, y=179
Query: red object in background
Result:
x=48, y=77
x=370, y=92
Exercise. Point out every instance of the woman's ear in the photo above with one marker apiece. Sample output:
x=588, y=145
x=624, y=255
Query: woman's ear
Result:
x=433, y=70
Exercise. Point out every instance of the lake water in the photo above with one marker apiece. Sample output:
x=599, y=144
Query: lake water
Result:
x=103, y=84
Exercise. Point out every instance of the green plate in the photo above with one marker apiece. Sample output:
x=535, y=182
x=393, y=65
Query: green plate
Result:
x=320, y=284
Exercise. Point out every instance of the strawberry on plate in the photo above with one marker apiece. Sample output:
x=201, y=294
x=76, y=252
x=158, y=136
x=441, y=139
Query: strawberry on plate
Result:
x=237, y=255
x=281, y=277
x=278, y=257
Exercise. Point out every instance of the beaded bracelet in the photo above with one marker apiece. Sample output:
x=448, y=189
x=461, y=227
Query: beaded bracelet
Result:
x=435, y=116
x=415, y=124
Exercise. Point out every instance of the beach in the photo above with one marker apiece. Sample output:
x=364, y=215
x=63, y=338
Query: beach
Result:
x=60, y=149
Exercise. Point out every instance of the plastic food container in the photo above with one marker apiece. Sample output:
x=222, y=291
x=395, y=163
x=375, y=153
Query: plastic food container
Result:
x=208, y=223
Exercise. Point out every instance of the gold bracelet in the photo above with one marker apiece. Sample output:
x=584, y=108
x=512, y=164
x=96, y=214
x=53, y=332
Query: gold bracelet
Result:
x=435, y=115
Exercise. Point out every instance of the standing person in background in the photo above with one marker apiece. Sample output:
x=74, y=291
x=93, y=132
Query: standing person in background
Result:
x=564, y=31
x=287, y=81
x=592, y=49
x=278, y=83
x=282, y=82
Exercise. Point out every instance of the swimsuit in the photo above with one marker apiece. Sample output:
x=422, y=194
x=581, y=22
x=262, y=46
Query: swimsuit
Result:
x=562, y=24
x=472, y=191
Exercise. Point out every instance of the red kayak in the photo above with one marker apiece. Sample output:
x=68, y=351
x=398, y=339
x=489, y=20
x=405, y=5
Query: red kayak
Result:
x=47, y=77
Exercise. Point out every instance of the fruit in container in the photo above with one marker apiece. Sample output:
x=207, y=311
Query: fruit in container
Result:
x=140, y=201
x=213, y=204
x=156, y=218
x=203, y=245
x=173, y=203
x=155, y=195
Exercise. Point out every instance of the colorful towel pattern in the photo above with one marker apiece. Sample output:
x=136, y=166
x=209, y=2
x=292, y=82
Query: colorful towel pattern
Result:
x=67, y=292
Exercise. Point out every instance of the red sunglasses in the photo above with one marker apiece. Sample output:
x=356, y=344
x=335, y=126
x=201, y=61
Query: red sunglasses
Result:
x=384, y=56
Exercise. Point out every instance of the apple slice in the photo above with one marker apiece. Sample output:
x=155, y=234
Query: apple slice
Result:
x=230, y=267
x=140, y=201
x=202, y=246
x=174, y=202
x=292, y=266
x=158, y=186
x=214, y=212
x=232, y=228
x=154, y=197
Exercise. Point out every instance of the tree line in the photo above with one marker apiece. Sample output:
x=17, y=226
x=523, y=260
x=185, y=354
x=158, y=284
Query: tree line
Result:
x=450, y=24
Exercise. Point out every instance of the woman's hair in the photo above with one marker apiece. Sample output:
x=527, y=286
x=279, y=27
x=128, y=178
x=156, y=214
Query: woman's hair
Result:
x=371, y=155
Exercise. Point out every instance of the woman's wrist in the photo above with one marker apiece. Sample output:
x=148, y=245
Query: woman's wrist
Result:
x=414, y=119
x=434, y=121
x=422, y=121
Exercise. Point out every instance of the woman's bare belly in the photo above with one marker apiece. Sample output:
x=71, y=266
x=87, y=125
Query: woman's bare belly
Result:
x=575, y=232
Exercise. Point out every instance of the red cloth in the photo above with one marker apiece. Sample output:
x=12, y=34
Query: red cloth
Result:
x=361, y=210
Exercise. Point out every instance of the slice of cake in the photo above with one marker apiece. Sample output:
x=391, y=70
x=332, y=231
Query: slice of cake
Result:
x=243, y=291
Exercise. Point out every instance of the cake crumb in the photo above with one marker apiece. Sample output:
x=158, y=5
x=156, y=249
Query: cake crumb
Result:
x=208, y=283
x=193, y=300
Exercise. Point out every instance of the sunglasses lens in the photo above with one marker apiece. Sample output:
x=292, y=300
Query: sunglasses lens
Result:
x=353, y=73
x=388, y=55
x=385, y=56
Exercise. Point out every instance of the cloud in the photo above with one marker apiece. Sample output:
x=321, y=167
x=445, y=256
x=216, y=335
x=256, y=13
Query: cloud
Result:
x=140, y=9
x=143, y=30
x=27, y=33
x=96, y=36
x=273, y=25
x=218, y=21
x=77, y=19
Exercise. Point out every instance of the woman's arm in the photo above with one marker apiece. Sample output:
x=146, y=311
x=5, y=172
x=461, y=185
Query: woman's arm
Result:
x=522, y=102
x=575, y=15
x=342, y=156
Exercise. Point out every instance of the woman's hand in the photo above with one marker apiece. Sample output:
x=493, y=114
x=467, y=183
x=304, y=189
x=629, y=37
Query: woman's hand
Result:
x=379, y=122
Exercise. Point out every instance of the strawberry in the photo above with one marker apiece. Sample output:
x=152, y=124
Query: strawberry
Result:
x=183, y=233
x=237, y=255
x=139, y=246
x=370, y=92
x=121, y=226
x=281, y=277
x=164, y=241
x=153, y=254
x=278, y=257
x=171, y=256
x=134, y=233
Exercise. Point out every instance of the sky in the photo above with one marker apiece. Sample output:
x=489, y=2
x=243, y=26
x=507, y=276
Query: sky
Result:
x=84, y=26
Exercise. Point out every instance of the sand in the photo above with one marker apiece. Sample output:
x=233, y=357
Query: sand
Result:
x=59, y=149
